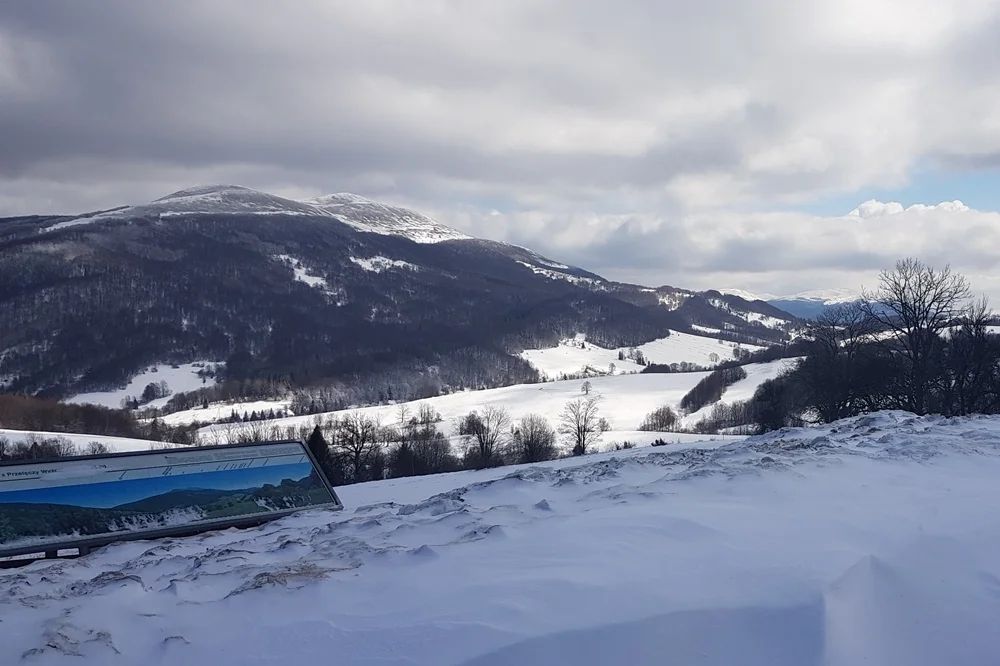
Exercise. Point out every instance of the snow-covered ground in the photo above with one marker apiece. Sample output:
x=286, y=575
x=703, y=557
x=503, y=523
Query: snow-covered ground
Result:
x=568, y=357
x=757, y=374
x=625, y=401
x=115, y=444
x=218, y=411
x=180, y=379
x=871, y=541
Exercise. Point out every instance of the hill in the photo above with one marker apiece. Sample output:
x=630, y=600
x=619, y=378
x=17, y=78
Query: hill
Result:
x=762, y=552
x=273, y=293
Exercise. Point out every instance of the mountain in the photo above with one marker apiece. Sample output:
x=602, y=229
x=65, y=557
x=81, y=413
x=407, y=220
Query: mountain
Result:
x=805, y=305
x=811, y=304
x=335, y=290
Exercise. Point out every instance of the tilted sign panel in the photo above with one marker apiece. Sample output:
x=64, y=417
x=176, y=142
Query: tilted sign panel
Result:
x=76, y=502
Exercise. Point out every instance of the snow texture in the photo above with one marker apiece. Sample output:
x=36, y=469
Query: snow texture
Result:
x=870, y=541
x=179, y=380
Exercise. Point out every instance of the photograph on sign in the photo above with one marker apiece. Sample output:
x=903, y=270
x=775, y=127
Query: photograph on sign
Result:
x=52, y=503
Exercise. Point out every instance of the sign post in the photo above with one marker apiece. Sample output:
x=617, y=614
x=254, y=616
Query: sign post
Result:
x=86, y=502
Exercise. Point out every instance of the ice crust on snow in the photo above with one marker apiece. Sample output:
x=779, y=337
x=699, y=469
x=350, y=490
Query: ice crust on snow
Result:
x=872, y=540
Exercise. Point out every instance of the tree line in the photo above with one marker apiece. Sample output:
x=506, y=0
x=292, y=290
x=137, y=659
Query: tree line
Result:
x=920, y=342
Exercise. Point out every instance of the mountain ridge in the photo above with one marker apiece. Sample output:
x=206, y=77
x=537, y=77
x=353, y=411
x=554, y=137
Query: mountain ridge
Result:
x=358, y=293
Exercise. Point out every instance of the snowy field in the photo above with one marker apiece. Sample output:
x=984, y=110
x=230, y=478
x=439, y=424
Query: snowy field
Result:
x=115, y=444
x=180, y=379
x=220, y=410
x=568, y=357
x=872, y=541
x=626, y=399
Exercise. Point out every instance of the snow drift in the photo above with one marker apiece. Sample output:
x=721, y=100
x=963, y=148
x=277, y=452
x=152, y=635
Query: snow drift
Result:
x=872, y=540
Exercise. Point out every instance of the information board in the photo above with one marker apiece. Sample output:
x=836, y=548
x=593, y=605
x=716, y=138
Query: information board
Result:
x=90, y=501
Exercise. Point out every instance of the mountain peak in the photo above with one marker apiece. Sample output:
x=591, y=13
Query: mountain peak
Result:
x=337, y=199
x=206, y=190
x=378, y=218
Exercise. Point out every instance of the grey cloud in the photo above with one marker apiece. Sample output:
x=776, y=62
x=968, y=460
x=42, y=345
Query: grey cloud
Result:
x=449, y=105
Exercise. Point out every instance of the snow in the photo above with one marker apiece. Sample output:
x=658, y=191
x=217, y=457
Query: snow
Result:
x=745, y=295
x=378, y=263
x=757, y=374
x=705, y=329
x=824, y=296
x=203, y=200
x=115, y=444
x=749, y=316
x=568, y=358
x=626, y=400
x=672, y=300
x=179, y=380
x=302, y=274
x=870, y=541
x=221, y=410
x=558, y=275
x=373, y=217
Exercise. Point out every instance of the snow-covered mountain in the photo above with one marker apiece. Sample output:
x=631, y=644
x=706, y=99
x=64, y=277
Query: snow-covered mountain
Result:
x=305, y=291
x=809, y=304
x=356, y=211
x=373, y=217
x=806, y=305
x=763, y=552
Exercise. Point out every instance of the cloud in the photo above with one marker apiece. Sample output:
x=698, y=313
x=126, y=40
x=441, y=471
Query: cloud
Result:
x=769, y=252
x=644, y=136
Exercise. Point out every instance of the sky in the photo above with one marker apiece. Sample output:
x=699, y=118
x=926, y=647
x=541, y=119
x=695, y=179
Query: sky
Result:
x=776, y=146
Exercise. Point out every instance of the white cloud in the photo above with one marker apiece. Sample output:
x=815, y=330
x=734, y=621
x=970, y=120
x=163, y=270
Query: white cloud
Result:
x=783, y=252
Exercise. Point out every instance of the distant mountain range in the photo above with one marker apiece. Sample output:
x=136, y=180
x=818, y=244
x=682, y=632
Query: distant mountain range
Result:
x=331, y=290
x=806, y=305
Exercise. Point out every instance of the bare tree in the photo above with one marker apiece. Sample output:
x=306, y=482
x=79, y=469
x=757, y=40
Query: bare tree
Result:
x=358, y=438
x=840, y=372
x=586, y=388
x=533, y=440
x=487, y=430
x=970, y=381
x=581, y=423
x=661, y=419
x=914, y=303
x=96, y=449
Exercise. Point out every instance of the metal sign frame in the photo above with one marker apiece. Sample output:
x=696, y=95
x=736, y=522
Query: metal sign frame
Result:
x=85, y=545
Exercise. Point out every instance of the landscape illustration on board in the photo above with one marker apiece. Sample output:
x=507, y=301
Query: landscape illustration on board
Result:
x=479, y=334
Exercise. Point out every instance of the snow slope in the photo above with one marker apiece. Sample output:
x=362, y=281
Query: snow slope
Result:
x=217, y=411
x=568, y=357
x=626, y=399
x=872, y=541
x=115, y=444
x=373, y=217
x=357, y=212
x=757, y=374
x=180, y=379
